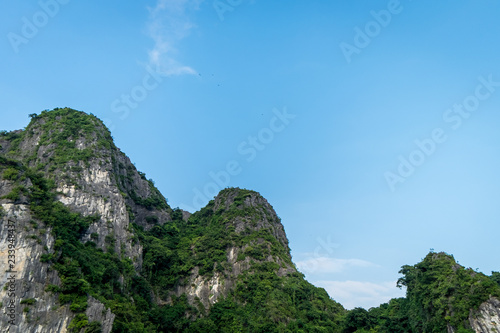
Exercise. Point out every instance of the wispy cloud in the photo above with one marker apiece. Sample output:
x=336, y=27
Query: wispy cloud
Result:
x=330, y=265
x=353, y=294
x=169, y=23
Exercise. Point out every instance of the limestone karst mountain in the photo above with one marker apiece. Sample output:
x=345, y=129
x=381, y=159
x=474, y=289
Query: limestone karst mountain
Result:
x=89, y=244
x=98, y=248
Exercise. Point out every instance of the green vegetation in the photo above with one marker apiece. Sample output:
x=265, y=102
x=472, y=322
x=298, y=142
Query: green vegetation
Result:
x=171, y=251
x=388, y=317
x=124, y=176
x=28, y=301
x=52, y=288
x=81, y=324
x=84, y=270
x=69, y=139
x=10, y=174
x=279, y=304
x=63, y=127
x=60, y=131
x=78, y=323
x=443, y=292
x=12, y=171
x=155, y=201
x=495, y=276
x=15, y=194
x=93, y=327
x=439, y=293
x=261, y=302
x=14, y=138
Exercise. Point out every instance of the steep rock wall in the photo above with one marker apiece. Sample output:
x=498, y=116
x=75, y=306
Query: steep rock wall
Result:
x=245, y=212
x=105, y=184
x=486, y=319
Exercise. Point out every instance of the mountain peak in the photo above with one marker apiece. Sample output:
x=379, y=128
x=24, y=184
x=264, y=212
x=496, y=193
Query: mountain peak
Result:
x=237, y=198
x=59, y=113
x=248, y=210
x=69, y=122
x=98, y=241
x=58, y=138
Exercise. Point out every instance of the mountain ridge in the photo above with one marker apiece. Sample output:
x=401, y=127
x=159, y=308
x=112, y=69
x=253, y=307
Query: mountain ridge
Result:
x=99, y=249
x=112, y=242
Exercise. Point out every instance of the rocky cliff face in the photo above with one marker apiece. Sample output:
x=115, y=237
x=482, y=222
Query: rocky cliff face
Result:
x=92, y=177
x=486, y=319
x=28, y=305
x=91, y=174
x=88, y=244
x=115, y=248
x=29, y=277
x=243, y=213
x=442, y=295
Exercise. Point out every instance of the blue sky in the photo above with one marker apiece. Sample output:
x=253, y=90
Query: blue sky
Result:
x=370, y=126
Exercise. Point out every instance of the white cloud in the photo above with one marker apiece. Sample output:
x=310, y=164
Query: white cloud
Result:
x=169, y=23
x=330, y=265
x=353, y=294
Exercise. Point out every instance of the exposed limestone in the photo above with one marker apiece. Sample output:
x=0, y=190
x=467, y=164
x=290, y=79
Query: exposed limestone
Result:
x=263, y=214
x=486, y=319
x=96, y=311
x=31, y=277
x=101, y=197
x=208, y=289
x=106, y=186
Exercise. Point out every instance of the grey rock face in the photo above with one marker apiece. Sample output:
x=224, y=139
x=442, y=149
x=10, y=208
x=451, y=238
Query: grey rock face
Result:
x=107, y=185
x=96, y=311
x=261, y=215
x=31, y=276
x=486, y=319
x=102, y=186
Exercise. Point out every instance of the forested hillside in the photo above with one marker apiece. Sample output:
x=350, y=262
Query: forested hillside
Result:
x=440, y=295
x=99, y=249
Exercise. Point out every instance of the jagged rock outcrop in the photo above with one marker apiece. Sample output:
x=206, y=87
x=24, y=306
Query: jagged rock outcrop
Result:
x=98, y=248
x=262, y=214
x=93, y=178
x=90, y=176
x=97, y=312
x=486, y=319
x=442, y=295
x=244, y=213
x=23, y=237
